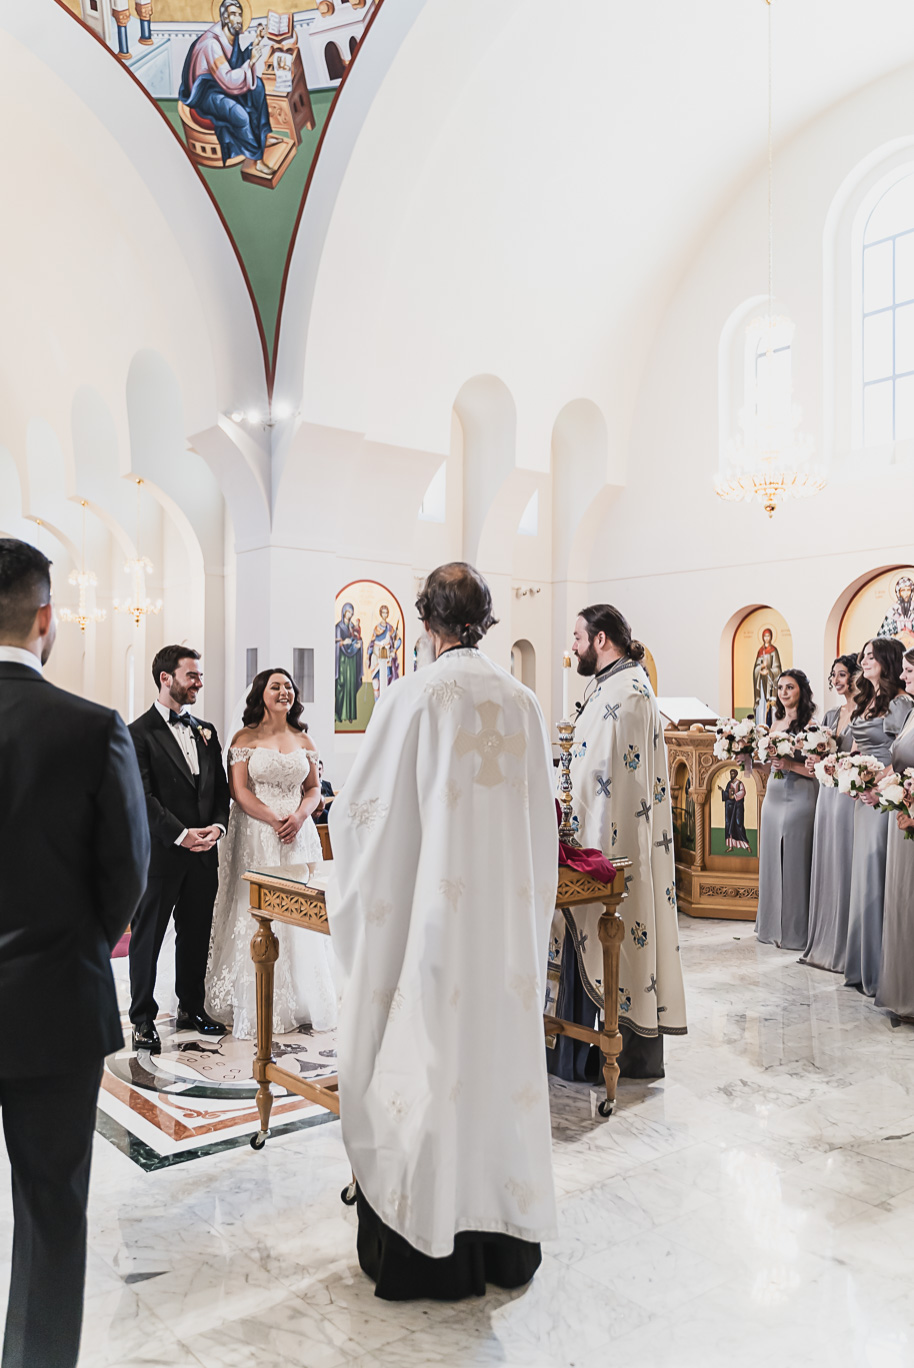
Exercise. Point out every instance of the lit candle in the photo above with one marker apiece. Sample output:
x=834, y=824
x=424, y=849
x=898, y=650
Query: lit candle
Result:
x=566, y=684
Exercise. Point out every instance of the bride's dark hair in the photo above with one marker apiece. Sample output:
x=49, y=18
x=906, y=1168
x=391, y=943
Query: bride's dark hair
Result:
x=254, y=706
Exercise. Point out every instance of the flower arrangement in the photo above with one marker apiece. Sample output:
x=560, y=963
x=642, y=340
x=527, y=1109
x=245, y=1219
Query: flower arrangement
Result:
x=773, y=746
x=826, y=771
x=735, y=738
x=896, y=794
x=818, y=741
x=857, y=774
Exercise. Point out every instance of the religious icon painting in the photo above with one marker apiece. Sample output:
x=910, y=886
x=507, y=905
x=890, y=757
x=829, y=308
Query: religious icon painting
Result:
x=734, y=813
x=369, y=653
x=683, y=809
x=883, y=607
x=247, y=93
x=762, y=648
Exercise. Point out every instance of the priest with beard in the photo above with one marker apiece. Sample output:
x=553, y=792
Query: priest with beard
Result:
x=621, y=795
x=446, y=864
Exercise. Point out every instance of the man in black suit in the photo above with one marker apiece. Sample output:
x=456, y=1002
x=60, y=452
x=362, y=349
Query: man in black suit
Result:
x=187, y=801
x=74, y=848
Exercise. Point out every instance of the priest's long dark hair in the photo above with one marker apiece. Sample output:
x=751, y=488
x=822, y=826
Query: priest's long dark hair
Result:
x=603, y=617
x=889, y=655
x=455, y=601
x=254, y=706
x=806, y=706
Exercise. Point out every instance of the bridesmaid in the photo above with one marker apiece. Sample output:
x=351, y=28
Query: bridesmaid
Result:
x=833, y=840
x=788, y=815
x=896, y=976
x=881, y=708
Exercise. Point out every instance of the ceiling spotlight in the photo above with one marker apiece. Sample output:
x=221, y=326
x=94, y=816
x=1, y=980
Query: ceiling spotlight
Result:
x=252, y=416
x=237, y=416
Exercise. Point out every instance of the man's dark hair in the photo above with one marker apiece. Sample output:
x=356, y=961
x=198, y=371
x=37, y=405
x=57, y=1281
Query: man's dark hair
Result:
x=25, y=586
x=456, y=602
x=603, y=617
x=168, y=659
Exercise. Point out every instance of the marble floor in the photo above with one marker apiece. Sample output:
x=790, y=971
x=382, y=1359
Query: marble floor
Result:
x=755, y=1207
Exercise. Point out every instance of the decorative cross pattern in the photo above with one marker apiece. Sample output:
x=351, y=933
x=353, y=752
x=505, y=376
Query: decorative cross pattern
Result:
x=629, y=880
x=644, y=810
x=612, y=711
x=490, y=744
x=665, y=842
x=603, y=786
x=656, y=737
x=652, y=986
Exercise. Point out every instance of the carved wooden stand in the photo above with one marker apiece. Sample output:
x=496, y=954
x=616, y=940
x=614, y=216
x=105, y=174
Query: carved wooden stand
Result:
x=277, y=899
x=575, y=889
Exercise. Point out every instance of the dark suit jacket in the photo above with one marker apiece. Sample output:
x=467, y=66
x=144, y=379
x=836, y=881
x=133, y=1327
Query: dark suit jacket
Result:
x=74, y=848
x=174, y=798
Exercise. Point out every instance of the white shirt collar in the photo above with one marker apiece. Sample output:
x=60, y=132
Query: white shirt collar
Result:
x=18, y=655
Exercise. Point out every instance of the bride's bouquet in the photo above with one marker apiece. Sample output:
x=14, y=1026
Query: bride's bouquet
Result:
x=818, y=741
x=826, y=771
x=896, y=794
x=775, y=746
x=857, y=774
x=735, y=739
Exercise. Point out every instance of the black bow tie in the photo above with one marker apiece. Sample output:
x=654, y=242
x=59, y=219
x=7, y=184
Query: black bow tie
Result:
x=179, y=720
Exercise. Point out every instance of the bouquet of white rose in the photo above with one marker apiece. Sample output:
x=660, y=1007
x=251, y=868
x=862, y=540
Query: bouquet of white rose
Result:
x=896, y=794
x=826, y=771
x=857, y=774
x=818, y=741
x=776, y=746
x=734, y=738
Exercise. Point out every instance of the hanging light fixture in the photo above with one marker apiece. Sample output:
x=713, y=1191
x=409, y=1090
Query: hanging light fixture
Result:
x=771, y=460
x=84, y=580
x=138, y=606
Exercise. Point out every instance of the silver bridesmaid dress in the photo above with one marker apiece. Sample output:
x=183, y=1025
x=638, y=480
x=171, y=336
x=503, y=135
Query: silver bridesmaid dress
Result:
x=830, y=884
x=872, y=736
x=896, y=975
x=785, y=860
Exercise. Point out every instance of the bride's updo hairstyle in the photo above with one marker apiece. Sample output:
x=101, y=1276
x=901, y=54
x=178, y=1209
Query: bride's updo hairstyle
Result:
x=603, y=617
x=254, y=706
x=455, y=602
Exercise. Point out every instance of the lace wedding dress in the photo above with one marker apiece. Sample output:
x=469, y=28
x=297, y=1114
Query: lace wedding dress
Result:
x=303, y=991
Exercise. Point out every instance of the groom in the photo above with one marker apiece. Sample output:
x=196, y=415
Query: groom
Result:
x=187, y=802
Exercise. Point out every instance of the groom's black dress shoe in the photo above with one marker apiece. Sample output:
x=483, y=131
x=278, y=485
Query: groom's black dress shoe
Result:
x=146, y=1037
x=199, y=1022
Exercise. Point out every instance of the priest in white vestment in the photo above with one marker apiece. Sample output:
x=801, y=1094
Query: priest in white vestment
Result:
x=621, y=793
x=446, y=863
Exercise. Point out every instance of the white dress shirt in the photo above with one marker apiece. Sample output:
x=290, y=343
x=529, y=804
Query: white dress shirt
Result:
x=183, y=738
x=18, y=655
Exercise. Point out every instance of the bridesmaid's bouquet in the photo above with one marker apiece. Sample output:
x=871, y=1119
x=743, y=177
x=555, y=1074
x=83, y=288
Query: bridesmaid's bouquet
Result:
x=735, y=739
x=896, y=794
x=858, y=774
x=826, y=771
x=818, y=741
x=775, y=746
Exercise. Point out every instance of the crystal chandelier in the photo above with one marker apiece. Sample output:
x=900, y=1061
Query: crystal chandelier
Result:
x=138, y=605
x=771, y=460
x=84, y=580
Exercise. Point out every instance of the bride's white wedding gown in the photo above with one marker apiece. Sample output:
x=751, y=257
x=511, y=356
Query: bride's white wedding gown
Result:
x=303, y=991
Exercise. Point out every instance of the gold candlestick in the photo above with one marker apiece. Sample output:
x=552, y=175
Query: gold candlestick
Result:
x=566, y=740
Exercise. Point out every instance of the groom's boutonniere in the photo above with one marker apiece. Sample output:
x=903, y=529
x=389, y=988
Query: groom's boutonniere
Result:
x=206, y=733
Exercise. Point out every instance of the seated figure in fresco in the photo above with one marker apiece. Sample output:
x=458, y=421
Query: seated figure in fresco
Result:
x=765, y=675
x=899, y=620
x=220, y=82
x=734, y=796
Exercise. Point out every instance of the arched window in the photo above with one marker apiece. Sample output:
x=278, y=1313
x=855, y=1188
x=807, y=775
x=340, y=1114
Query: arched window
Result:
x=353, y=44
x=887, y=349
x=335, y=63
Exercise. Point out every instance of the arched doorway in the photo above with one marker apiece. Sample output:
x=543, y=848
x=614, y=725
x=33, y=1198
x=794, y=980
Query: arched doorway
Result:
x=523, y=662
x=336, y=63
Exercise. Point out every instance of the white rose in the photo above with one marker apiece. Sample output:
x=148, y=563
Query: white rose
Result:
x=894, y=793
x=844, y=781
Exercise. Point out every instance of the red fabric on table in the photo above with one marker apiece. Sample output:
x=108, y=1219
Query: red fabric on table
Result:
x=591, y=862
x=120, y=950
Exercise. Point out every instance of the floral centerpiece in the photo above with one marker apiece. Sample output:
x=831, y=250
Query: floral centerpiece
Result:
x=818, y=741
x=774, y=746
x=826, y=771
x=858, y=774
x=896, y=794
x=735, y=739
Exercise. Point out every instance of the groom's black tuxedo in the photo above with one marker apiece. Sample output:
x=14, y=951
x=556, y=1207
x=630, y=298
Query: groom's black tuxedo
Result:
x=180, y=881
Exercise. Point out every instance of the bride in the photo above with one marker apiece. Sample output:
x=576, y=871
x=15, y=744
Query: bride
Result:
x=274, y=783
